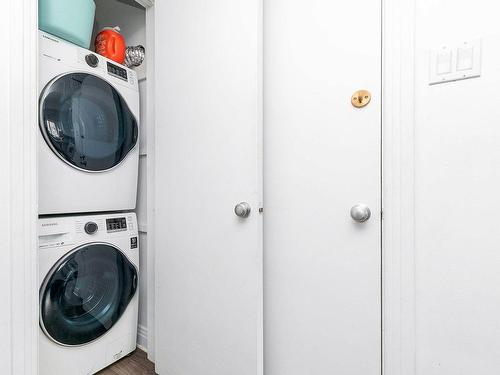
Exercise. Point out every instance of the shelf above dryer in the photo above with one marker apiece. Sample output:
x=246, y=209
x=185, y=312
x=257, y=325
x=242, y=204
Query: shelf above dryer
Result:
x=146, y=3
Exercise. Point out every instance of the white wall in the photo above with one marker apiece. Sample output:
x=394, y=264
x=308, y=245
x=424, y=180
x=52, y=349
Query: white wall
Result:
x=457, y=177
x=132, y=20
x=18, y=190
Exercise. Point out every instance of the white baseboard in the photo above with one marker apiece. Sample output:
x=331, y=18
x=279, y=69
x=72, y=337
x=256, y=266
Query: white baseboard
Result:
x=142, y=338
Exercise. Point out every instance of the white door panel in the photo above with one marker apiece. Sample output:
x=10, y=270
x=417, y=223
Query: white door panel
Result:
x=208, y=141
x=322, y=156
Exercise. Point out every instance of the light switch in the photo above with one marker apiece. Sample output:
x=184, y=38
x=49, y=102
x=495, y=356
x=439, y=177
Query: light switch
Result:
x=465, y=57
x=454, y=63
x=443, y=62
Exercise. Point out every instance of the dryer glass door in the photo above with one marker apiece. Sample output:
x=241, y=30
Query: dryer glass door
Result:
x=86, y=293
x=86, y=122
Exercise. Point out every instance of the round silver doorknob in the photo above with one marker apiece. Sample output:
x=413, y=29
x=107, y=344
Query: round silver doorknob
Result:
x=360, y=213
x=242, y=210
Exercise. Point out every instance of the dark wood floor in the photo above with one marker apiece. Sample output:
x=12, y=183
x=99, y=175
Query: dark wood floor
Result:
x=135, y=364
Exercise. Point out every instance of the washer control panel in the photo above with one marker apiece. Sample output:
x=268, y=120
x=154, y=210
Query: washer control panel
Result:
x=116, y=224
x=71, y=230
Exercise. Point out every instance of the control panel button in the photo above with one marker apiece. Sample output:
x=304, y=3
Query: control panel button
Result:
x=91, y=227
x=92, y=60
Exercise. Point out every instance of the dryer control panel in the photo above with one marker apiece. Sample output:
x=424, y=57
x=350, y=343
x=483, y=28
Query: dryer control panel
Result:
x=59, y=55
x=117, y=71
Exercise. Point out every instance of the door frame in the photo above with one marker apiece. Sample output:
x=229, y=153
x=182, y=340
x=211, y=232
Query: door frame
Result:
x=19, y=315
x=398, y=167
x=19, y=190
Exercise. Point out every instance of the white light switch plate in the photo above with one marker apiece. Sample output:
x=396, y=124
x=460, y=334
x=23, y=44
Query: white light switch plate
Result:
x=456, y=62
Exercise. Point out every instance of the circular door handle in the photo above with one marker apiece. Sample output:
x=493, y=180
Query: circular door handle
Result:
x=360, y=213
x=242, y=210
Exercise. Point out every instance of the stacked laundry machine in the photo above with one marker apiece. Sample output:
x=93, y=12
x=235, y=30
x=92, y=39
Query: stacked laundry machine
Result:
x=88, y=237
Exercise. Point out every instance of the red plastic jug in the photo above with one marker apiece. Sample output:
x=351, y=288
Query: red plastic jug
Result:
x=111, y=44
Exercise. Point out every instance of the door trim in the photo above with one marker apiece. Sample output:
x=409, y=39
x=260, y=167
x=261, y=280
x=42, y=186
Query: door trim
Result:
x=150, y=168
x=19, y=190
x=398, y=160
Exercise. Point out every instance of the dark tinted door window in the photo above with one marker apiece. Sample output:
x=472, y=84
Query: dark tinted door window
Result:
x=86, y=293
x=87, y=122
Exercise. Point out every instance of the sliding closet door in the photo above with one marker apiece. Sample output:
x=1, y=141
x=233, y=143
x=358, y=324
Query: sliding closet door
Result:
x=322, y=157
x=208, y=161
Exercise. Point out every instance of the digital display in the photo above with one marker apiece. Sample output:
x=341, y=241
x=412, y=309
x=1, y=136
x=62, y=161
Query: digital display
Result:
x=117, y=71
x=116, y=224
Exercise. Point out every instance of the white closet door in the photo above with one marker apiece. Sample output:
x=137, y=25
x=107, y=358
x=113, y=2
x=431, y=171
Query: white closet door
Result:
x=209, y=314
x=322, y=157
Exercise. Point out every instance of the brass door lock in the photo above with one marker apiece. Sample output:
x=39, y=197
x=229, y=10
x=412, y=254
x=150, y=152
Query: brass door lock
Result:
x=361, y=98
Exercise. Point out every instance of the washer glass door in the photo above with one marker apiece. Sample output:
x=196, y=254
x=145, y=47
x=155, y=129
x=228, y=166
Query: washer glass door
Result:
x=86, y=122
x=86, y=293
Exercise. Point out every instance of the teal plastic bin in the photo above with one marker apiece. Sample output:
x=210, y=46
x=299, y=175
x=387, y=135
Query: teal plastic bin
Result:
x=72, y=20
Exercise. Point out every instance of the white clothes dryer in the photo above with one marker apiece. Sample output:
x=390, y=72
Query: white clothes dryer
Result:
x=88, y=277
x=89, y=131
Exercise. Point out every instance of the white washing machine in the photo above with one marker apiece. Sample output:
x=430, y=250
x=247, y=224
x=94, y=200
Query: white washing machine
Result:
x=88, y=276
x=89, y=131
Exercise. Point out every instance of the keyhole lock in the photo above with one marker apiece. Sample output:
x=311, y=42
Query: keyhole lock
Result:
x=361, y=98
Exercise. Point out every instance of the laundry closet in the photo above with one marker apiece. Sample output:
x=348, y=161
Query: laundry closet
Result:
x=201, y=284
x=278, y=187
x=92, y=185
